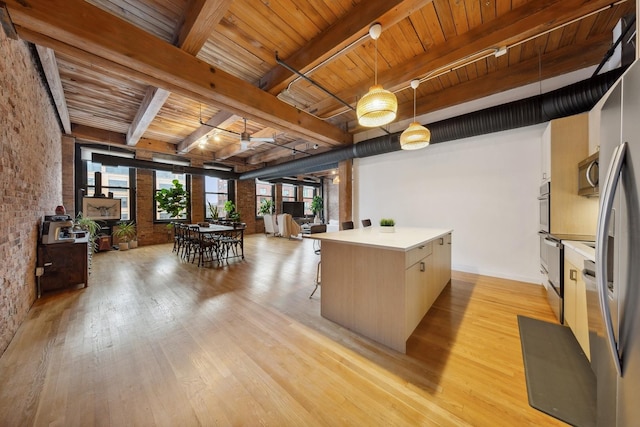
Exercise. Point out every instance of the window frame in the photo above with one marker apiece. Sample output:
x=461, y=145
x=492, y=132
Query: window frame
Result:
x=269, y=196
x=187, y=185
x=84, y=189
x=228, y=195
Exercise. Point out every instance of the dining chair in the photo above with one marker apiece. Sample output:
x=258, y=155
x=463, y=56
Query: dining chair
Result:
x=366, y=222
x=347, y=225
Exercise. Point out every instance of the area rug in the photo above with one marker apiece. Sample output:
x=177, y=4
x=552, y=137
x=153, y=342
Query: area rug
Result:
x=560, y=381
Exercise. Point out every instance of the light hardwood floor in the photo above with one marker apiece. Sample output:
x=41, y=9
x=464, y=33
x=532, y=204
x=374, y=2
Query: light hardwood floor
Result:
x=157, y=341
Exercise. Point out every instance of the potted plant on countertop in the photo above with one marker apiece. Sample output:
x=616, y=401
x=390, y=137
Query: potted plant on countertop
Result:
x=316, y=208
x=125, y=231
x=387, y=225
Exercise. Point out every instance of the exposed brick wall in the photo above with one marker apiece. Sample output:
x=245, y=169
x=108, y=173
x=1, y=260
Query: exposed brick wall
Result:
x=68, y=173
x=197, y=194
x=246, y=203
x=148, y=232
x=30, y=179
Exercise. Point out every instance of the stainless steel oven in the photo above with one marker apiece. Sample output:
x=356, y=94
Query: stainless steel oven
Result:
x=551, y=255
x=552, y=268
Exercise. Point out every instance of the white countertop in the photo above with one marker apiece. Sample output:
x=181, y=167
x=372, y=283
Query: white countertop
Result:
x=403, y=239
x=581, y=248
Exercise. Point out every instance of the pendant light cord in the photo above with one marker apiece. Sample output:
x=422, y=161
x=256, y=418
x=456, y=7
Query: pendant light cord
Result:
x=375, y=67
x=414, y=105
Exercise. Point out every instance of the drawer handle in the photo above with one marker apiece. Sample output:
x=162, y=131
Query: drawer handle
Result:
x=422, y=267
x=441, y=241
x=573, y=274
x=421, y=247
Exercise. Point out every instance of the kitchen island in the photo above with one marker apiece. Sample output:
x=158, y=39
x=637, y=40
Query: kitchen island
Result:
x=382, y=284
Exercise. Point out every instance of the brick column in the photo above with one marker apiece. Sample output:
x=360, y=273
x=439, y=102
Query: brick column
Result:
x=345, y=189
x=68, y=173
x=196, y=194
x=246, y=203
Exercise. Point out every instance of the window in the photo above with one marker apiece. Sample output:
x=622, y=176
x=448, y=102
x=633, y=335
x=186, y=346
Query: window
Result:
x=164, y=179
x=307, y=196
x=116, y=180
x=288, y=193
x=216, y=193
x=264, y=191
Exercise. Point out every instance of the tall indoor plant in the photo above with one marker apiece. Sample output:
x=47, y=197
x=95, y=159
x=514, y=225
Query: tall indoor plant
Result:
x=316, y=208
x=173, y=200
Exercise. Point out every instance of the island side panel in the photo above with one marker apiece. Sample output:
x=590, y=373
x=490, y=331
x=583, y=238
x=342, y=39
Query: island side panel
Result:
x=363, y=289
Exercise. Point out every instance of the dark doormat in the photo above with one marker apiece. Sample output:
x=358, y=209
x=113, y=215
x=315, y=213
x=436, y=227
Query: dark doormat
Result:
x=560, y=381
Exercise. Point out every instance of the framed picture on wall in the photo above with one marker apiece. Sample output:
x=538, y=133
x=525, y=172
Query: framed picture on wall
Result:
x=98, y=208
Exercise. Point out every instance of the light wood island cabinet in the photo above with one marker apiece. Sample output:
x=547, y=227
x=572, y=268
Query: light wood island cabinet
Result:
x=382, y=284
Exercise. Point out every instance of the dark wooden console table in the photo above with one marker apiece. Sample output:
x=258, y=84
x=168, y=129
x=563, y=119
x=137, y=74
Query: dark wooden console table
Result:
x=64, y=264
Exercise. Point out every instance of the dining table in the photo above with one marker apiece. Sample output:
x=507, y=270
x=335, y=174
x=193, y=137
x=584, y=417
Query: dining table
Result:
x=219, y=242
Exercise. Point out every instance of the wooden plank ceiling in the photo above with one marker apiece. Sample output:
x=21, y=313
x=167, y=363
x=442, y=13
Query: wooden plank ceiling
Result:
x=180, y=76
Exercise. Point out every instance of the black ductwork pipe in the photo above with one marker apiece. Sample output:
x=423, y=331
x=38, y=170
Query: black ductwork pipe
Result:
x=574, y=99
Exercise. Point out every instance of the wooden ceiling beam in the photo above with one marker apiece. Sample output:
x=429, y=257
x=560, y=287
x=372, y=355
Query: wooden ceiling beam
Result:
x=528, y=20
x=338, y=36
x=561, y=61
x=153, y=101
x=6, y=24
x=50, y=68
x=201, y=17
x=101, y=136
x=128, y=46
x=221, y=119
x=276, y=153
x=84, y=133
x=236, y=147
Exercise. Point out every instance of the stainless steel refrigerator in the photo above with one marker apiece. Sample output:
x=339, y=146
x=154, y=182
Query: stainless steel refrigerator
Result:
x=613, y=298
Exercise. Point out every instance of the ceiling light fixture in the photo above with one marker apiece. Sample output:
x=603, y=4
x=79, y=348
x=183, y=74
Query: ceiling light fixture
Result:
x=415, y=136
x=244, y=136
x=377, y=107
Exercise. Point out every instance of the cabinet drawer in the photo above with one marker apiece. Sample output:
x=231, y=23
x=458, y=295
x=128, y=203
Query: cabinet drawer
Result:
x=417, y=253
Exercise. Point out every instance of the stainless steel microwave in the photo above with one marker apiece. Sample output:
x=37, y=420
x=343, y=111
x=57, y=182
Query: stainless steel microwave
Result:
x=588, y=176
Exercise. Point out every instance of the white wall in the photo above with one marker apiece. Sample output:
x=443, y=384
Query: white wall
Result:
x=485, y=188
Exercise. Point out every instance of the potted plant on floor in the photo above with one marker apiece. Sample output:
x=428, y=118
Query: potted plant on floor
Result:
x=174, y=201
x=387, y=225
x=125, y=231
x=316, y=208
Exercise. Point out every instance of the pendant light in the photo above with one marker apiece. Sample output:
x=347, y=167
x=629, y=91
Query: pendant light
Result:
x=415, y=136
x=378, y=106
